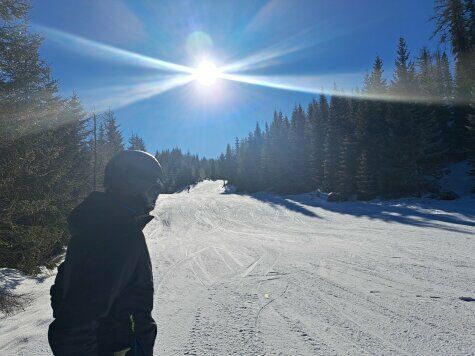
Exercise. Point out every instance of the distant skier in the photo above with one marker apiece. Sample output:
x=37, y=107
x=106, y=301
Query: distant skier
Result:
x=102, y=297
x=188, y=189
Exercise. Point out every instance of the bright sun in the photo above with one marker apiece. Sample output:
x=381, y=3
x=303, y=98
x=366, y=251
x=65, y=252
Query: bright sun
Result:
x=206, y=73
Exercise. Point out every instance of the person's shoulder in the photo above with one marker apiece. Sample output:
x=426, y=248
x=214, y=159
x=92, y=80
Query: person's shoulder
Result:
x=94, y=202
x=99, y=216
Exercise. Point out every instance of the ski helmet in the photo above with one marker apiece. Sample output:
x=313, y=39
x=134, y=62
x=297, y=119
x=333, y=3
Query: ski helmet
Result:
x=134, y=173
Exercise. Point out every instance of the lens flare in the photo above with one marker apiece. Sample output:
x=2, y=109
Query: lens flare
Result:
x=89, y=47
x=197, y=43
x=116, y=97
x=207, y=73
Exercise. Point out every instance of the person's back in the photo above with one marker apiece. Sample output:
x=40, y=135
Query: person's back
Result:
x=103, y=294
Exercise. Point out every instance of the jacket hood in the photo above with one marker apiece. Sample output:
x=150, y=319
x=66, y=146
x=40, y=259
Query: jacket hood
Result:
x=101, y=208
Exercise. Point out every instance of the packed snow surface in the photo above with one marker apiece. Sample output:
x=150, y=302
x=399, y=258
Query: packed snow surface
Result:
x=262, y=274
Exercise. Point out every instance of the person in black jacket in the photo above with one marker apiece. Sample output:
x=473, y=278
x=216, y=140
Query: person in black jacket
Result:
x=102, y=297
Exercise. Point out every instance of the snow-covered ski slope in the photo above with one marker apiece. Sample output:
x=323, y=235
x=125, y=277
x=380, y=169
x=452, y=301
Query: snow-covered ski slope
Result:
x=254, y=275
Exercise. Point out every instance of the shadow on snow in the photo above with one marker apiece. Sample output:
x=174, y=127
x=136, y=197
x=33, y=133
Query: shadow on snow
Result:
x=424, y=213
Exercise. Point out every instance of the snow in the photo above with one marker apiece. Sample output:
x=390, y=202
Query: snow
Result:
x=262, y=274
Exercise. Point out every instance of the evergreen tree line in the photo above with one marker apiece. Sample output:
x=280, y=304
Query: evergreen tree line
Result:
x=106, y=140
x=182, y=170
x=380, y=141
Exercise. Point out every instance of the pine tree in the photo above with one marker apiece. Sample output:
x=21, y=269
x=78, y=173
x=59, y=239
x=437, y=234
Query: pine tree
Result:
x=276, y=154
x=322, y=124
x=114, y=140
x=365, y=185
x=13, y=10
x=284, y=171
x=108, y=142
x=229, y=165
x=451, y=24
x=256, y=161
x=470, y=9
x=296, y=151
x=44, y=160
x=404, y=74
x=136, y=143
x=265, y=159
x=332, y=144
x=371, y=125
x=471, y=138
x=374, y=82
x=454, y=24
x=312, y=153
x=249, y=161
x=347, y=166
x=102, y=155
x=404, y=132
x=76, y=156
x=433, y=114
x=444, y=91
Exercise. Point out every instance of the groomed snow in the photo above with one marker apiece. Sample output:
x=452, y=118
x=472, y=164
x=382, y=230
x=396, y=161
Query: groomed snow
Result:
x=253, y=275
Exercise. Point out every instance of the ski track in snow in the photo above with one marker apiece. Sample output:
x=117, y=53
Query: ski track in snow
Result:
x=263, y=275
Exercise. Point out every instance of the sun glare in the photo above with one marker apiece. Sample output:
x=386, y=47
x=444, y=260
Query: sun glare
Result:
x=207, y=73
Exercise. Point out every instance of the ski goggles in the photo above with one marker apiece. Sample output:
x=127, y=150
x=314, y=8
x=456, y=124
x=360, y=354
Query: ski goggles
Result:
x=154, y=189
x=148, y=187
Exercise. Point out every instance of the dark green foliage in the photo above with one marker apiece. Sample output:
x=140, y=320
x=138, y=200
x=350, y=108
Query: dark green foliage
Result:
x=403, y=146
x=44, y=159
x=312, y=139
x=434, y=116
x=51, y=153
x=13, y=9
x=106, y=141
x=297, y=150
x=372, y=125
x=365, y=186
x=332, y=143
x=322, y=119
x=136, y=143
x=275, y=155
x=455, y=24
x=247, y=157
x=455, y=21
x=229, y=163
x=113, y=136
x=471, y=138
x=181, y=170
x=347, y=166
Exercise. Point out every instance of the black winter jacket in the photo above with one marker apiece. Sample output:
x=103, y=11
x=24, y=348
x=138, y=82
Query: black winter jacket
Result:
x=102, y=297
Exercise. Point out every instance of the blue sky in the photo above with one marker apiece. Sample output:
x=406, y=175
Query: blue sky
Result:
x=315, y=42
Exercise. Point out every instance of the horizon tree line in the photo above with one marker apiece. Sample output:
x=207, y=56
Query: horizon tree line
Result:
x=383, y=140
